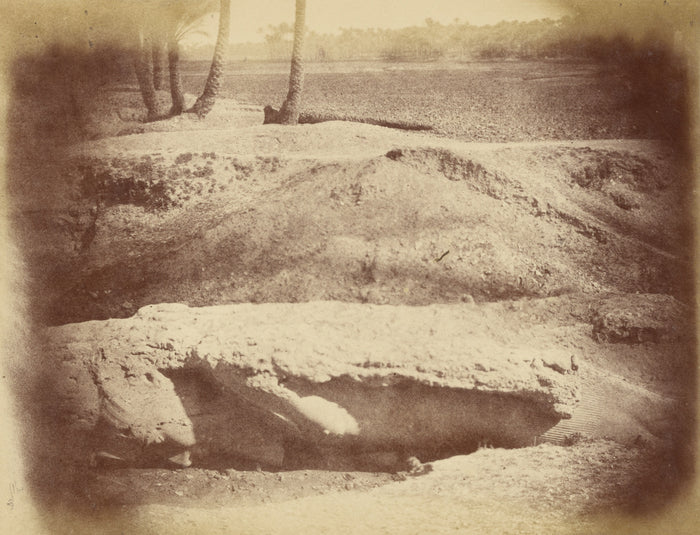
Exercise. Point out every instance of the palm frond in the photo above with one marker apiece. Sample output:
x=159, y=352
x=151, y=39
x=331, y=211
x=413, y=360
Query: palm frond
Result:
x=184, y=15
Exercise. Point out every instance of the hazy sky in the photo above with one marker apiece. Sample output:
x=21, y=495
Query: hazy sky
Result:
x=325, y=16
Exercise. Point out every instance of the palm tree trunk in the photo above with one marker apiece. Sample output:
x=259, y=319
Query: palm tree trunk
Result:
x=206, y=100
x=144, y=75
x=158, y=53
x=289, y=113
x=175, y=79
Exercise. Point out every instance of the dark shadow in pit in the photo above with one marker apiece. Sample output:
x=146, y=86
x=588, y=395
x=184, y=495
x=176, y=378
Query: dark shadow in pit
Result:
x=231, y=432
x=400, y=420
x=430, y=422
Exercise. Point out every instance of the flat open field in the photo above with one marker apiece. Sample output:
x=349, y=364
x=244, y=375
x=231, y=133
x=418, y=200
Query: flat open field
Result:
x=476, y=101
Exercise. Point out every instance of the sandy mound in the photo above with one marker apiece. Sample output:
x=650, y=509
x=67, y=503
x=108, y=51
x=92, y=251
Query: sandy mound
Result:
x=340, y=211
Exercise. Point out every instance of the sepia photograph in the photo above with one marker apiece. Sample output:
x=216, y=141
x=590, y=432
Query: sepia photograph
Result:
x=355, y=267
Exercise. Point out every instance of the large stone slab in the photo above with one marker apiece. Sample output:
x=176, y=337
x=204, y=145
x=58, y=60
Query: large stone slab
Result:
x=294, y=384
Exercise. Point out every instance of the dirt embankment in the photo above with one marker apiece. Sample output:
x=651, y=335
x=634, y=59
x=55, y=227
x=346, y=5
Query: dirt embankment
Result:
x=358, y=214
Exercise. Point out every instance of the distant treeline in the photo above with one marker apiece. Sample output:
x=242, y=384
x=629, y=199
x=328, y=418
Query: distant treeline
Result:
x=538, y=39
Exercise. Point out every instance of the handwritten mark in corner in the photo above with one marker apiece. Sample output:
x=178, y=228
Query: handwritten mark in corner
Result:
x=14, y=490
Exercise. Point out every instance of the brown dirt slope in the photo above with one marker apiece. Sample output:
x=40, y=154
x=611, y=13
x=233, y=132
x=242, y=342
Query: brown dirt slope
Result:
x=349, y=212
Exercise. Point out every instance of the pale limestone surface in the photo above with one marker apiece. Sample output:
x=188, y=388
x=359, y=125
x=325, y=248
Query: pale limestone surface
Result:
x=374, y=377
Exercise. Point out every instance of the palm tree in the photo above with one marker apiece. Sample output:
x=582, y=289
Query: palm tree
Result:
x=158, y=53
x=289, y=113
x=176, y=95
x=181, y=20
x=147, y=24
x=205, y=102
x=144, y=72
x=128, y=22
